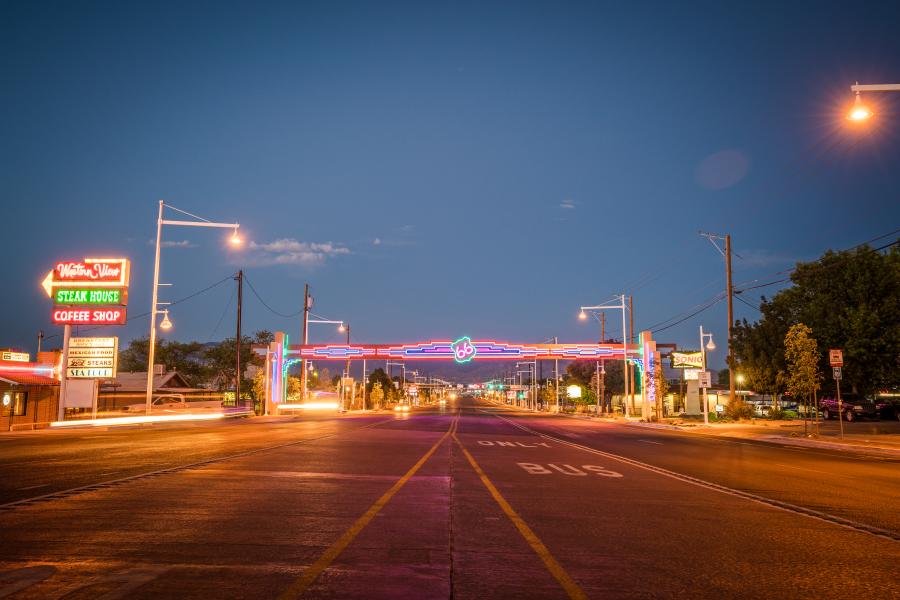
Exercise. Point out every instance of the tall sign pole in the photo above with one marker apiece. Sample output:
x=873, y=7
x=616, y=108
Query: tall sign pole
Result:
x=305, y=337
x=61, y=408
x=730, y=292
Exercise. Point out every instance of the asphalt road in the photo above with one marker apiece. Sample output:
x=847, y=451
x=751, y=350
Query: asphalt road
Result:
x=472, y=501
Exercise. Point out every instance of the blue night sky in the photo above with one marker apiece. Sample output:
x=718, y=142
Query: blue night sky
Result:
x=437, y=170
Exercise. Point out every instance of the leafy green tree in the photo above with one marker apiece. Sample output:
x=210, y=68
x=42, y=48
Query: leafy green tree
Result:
x=186, y=358
x=850, y=300
x=294, y=388
x=800, y=351
x=548, y=395
x=259, y=384
x=376, y=395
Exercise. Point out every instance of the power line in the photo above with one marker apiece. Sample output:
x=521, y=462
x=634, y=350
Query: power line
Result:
x=224, y=312
x=173, y=303
x=272, y=310
x=851, y=249
x=756, y=308
x=702, y=305
x=694, y=314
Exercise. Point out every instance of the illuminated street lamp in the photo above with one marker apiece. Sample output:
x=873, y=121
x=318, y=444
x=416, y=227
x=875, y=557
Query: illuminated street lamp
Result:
x=166, y=324
x=859, y=111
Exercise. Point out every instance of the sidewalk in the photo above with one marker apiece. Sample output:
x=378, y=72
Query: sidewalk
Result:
x=868, y=437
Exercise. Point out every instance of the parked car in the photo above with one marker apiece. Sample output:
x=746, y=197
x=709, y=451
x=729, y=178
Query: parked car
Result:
x=853, y=406
x=888, y=408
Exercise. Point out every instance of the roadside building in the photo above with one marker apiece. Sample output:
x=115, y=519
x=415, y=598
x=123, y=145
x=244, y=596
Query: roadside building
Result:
x=130, y=389
x=30, y=395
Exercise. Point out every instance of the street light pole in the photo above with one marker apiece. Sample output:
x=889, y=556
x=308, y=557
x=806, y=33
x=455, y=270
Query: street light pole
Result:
x=623, y=308
x=154, y=305
x=703, y=347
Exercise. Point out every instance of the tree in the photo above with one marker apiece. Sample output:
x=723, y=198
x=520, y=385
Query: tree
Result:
x=581, y=372
x=376, y=395
x=294, y=388
x=259, y=384
x=549, y=394
x=186, y=358
x=850, y=300
x=802, y=357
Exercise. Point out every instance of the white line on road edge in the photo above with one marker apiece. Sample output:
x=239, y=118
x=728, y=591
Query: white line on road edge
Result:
x=91, y=487
x=785, y=506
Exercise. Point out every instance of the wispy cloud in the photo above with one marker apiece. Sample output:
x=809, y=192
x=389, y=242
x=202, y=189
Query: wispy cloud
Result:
x=764, y=258
x=567, y=204
x=376, y=242
x=288, y=251
x=173, y=244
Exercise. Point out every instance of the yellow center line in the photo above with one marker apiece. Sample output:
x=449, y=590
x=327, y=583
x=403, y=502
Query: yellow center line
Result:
x=564, y=579
x=309, y=575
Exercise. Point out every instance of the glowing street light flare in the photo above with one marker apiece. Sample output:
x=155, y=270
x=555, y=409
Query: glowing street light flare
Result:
x=165, y=324
x=859, y=111
x=582, y=315
x=235, y=239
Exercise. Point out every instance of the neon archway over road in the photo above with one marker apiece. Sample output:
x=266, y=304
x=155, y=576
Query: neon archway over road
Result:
x=461, y=350
x=280, y=355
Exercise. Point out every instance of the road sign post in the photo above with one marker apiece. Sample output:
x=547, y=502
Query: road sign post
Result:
x=836, y=359
x=704, y=379
x=836, y=371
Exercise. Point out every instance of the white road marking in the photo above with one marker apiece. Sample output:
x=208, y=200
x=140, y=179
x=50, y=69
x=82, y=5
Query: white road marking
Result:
x=651, y=442
x=582, y=471
x=33, y=487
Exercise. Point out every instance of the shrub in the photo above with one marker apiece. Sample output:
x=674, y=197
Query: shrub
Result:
x=780, y=414
x=739, y=410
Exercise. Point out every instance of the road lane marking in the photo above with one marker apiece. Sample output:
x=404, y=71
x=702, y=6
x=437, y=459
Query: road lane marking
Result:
x=805, y=469
x=785, y=506
x=314, y=570
x=651, y=442
x=560, y=574
x=116, y=482
x=538, y=469
x=512, y=444
x=33, y=487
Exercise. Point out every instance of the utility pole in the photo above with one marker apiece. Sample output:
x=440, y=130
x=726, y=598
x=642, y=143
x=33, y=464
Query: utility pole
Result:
x=730, y=292
x=237, y=339
x=40, y=339
x=304, y=336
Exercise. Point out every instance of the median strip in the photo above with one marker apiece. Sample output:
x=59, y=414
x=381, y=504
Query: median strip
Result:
x=553, y=566
x=313, y=571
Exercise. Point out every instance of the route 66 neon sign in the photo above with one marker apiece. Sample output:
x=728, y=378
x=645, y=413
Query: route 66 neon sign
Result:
x=463, y=350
